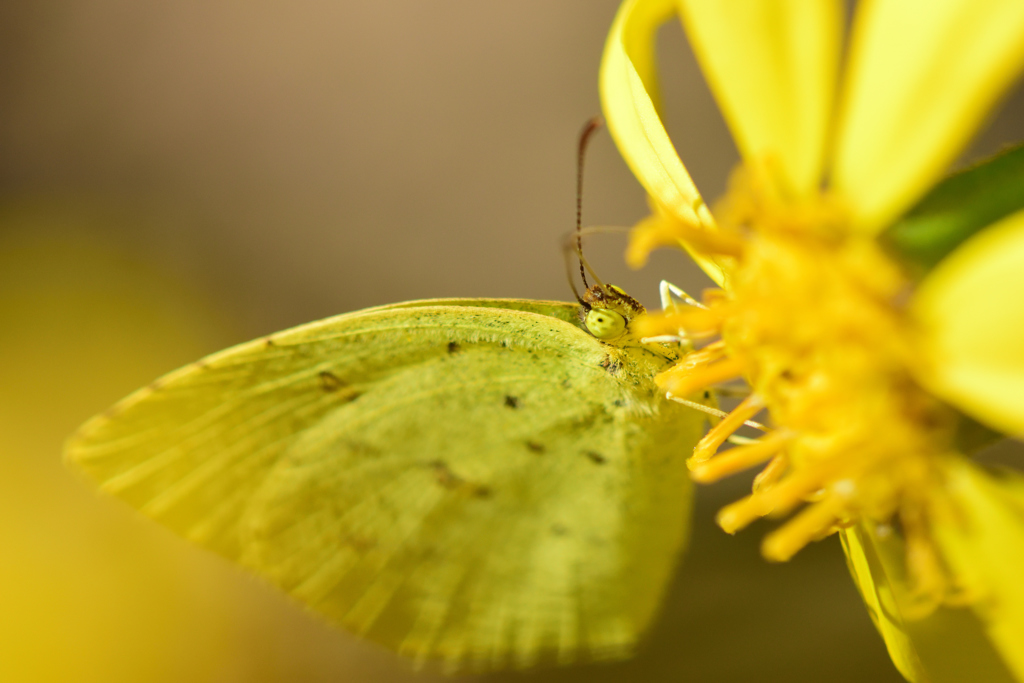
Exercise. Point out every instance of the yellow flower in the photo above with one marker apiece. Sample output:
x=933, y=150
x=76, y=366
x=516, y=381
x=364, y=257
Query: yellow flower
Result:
x=865, y=371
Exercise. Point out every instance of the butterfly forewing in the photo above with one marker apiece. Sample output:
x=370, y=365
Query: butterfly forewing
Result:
x=481, y=484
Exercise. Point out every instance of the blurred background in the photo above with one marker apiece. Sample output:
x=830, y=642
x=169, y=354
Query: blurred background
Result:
x=180, y=175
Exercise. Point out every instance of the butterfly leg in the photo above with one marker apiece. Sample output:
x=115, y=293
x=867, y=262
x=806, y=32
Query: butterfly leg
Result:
x=670, y=296
x=667, y=290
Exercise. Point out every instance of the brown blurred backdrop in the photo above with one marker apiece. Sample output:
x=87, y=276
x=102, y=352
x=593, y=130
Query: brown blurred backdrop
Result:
x=180, y=175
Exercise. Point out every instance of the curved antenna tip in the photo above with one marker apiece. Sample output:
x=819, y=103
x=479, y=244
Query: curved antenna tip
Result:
x=588, y=129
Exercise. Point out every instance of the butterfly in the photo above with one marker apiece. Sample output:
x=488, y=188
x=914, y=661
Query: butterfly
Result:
x=486, y=483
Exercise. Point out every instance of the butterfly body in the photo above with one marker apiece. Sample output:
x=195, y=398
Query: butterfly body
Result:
x=481, y=482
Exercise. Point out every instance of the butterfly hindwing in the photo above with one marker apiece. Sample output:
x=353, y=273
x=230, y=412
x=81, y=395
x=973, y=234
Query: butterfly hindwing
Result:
x=480, y=482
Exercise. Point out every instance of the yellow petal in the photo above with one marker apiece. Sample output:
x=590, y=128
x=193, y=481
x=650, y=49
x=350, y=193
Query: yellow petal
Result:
x=629, y=98
x=629, y=93
x=983, y=542
x=949, y=645
x=972, y=315
x=772, y=67
x=864, y=556
x=922, y=76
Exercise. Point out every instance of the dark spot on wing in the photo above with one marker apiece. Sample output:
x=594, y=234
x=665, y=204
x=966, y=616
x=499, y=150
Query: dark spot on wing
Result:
x=610, y=365
x=447, y=479
x=596, y=457
x=619, y=403
x=330, y=382
x=268, y=341
x=363, y=449
x=511, y=402
x=559, y=529
x=707, y=393
x=444, y=475
x=454, y=347
x=536, y=447
x=504, y=343
x=359, y=543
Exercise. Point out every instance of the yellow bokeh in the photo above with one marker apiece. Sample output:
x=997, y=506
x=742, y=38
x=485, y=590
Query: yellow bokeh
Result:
x=89, y=593
x=89, y=590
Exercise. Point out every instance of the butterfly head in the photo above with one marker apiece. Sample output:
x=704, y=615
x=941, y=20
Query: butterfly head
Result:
x=607, y=311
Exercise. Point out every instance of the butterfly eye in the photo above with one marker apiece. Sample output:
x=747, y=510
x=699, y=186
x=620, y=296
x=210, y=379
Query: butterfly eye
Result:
x=605, y=324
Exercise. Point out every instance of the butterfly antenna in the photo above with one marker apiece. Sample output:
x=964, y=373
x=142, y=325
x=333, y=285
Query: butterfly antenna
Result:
x=566, y=252
x=568, y=247
x=589, y=129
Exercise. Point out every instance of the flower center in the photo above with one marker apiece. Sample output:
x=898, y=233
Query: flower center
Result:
x=813, y=319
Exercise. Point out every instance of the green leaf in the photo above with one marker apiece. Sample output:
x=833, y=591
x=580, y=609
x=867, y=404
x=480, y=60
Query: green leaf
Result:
x=957, y=208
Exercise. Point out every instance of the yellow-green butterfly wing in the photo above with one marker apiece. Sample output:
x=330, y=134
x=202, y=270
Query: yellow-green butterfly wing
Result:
x=480, y=482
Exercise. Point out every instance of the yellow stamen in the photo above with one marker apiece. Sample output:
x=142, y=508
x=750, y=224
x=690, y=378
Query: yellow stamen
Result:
x=772, y=472
x=682, y=381
x=708, y=354
x=737, y=459
x=707, y=446
x=662, y=230
x=695, y=321
x=646, y=236
x=814, y=318
x=781, y=545
x=740, y=514
x=800, y=485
